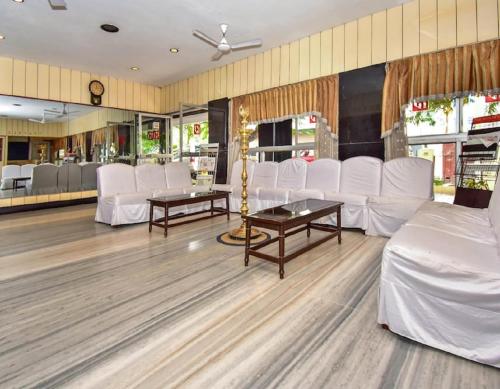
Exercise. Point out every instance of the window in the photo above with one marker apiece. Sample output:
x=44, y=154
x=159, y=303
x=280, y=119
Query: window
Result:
x=436, y=130
x=193, y=134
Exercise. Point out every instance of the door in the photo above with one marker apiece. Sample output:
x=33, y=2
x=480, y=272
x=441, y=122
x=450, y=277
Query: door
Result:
x=153, y=135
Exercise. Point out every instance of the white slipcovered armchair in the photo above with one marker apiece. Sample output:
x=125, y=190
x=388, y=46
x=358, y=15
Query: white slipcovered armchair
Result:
x=323, y=175
x=235, y=183
x=8, y=173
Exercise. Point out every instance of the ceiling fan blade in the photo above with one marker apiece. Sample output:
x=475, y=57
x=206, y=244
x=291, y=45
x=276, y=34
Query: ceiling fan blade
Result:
x=51, y=112
x=247, y=44
x=217, y=55
x=206, y=38
x=36, y=120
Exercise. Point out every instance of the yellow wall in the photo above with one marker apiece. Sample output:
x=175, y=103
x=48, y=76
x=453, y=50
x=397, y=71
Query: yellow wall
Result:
x=97, y=119
x=417, y=27
x=30, y=79
x=14, y=127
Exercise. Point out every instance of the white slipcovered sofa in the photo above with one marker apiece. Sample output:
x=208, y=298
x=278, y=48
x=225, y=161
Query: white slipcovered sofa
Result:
x=440, y=280
x=9, y=172
x=235, y=183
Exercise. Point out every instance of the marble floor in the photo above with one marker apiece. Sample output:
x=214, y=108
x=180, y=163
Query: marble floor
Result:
x=86, y=305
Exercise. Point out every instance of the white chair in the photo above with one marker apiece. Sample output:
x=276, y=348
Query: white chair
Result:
x=44, y=180
x=323, y=175
x=118, y=200
x=292, y=174
x=360, y=178
x=89, y=175
x=27, y=171
x=235, y=179
x=407, y=183
x=179, y=180
x=69, y=178
x=8, y=173
x=265, y=175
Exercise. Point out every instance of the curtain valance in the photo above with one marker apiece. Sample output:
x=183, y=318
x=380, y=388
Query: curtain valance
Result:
x=318, y=97
x=449, y=73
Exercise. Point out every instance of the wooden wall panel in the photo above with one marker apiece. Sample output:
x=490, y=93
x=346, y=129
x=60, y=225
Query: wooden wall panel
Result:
x=275, y=66
x=230, y=81
x=250, y=74
x=31, y=79
x=395, y=33
x=315, y=56
x=259, y=71
x=411, y=37
x=211, y=84
x=19, y=78
x=43, y=81
x=487, y=21
x=6, y=73
x=121, y=103
x=218, y=93
x=244, y=76
x=204, y=88
x=447, y=23
x=428, y=26
x=304, y=56
x=351, y=45
x=54, y=83
x=285, y=65
x=294, y=62
x=338, y=49
x=65, y=84
x=105, y=96
x=137, y=96
x=326, y=52
x=158, y=102
x=466, y=21
x=151, y=98
x=267, y=69
x=365, y=41
x=113, y=94
x=223, y=81
x=379, y=37
x=237, y=78
x=84, y=87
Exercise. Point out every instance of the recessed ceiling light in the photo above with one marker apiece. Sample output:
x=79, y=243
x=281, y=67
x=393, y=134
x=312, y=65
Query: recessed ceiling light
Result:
x=18, y=1
x=174, y=50
x=2, y=37
x=109, y=28
x=135, y=68
x=17, y=105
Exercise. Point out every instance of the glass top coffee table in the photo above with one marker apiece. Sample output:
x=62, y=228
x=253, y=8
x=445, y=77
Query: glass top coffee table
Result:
x=298, y=216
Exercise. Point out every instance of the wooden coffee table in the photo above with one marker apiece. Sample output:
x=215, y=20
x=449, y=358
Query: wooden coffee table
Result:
x=167, y=202
x=283, y=218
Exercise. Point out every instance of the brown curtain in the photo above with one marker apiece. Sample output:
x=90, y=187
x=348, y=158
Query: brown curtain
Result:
x=99, y=137
x=449, y=73
x=318, y=96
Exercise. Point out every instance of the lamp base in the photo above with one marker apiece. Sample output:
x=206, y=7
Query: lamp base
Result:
x=240, y=233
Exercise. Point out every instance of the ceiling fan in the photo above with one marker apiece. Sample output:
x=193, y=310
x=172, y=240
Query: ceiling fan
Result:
x=55, y=114
x=42, y=120
x=223, y=47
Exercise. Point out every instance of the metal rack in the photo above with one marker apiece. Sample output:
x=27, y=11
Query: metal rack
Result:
x=204, y=160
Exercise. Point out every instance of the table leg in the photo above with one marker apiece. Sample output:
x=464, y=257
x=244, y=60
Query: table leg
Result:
x=339, y=226
x=247, y=241
x=281, y=238
x=165, y=232
x=227, y=207
x=309, y=230
x=150, y=216
x=211, y=207
x=15, y=185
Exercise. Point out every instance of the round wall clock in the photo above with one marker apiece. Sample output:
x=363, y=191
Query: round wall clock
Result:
x=96, y=91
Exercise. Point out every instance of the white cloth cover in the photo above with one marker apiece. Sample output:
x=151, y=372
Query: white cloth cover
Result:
x=324, y=175
x=361, y=175
x=89, y=175
x=69, y=178
x=27, y=171
x=443, y=289
x=115, y=178
x=8, y=173
x=354, y=211
x=150, y=177
x=292, y=175
x=178, y=175
x=494, y=210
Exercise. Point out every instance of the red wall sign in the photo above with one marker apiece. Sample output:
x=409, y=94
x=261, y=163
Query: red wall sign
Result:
x=492, y=98
x=420, y=106
x=312, y=119
x=153, y=135
x=197, y=129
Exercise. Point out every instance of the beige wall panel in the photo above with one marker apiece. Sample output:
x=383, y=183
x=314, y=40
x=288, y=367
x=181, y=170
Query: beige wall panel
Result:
x=487, y=19
x=65, y=84
x=137, y=96
x=158, y=100
x=197, y=89
x=171, y=98
x=223, y=81
x=259, y=71
x=218, y=93
x=466, y=22
x=428, y=26
x=184, y=91
x=267, y=69
x=43, y=81
x=19, y=78
x=190, y=89
x=84, y=88
x=144, y=97
x=230, y=81
x=105, y=96
x=351, y=45
x=163, y=99
x=54, y=83
x=244, y=76
x=76, y=86
x=326, y=52
x=32, y=79
x=411, y=37
x=315, y=56
x=6, y=72
x=237, y=78
x=275, y=66
x=394, y=33
x=365, y=41
x=304, y=59
x=204, y=88
x=129, y=94
x=251, y=74
x=447, y=23
x=151, y=98
x=285, y=65
x=294, y=62
x=338, y=49
x=113, y=92
x=121, y=94
x=211, y=84
x=379, y=37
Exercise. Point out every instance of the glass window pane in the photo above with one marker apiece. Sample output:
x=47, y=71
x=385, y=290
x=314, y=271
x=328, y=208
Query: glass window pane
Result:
x=433, y=117
x=476, y=106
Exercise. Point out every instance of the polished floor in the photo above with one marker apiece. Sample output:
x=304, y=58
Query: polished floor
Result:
x=86, y=305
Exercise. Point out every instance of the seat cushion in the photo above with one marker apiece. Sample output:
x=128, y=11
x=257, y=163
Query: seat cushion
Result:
x=132, y=198
x=304, y=194
x=457, y=213
x=167, y=192
x=274, y=194
x=347, y=198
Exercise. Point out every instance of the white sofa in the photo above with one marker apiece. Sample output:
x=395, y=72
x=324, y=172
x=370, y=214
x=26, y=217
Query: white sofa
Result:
x=440, y=280
x=9, y=172
x=235, y=183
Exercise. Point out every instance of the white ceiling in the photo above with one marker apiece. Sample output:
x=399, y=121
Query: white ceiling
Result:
x=33, y=109
x=148, y=28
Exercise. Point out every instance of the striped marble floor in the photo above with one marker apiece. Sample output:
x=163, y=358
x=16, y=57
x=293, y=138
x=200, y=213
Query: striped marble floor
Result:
x=86, y=305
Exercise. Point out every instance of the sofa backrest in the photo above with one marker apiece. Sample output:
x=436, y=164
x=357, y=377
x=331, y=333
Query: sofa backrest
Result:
x=292, y=174
x=408, y=177
x=178, y=175
x=361, y=175
x=89, y=175
x=265, y=175
x=236, y=172
x=115, y=178
x=11, y=171
x=324, y=174
x=27, y=170
x=494, y=211
x=44, y=179
x=149, y=177
x=69, y=178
